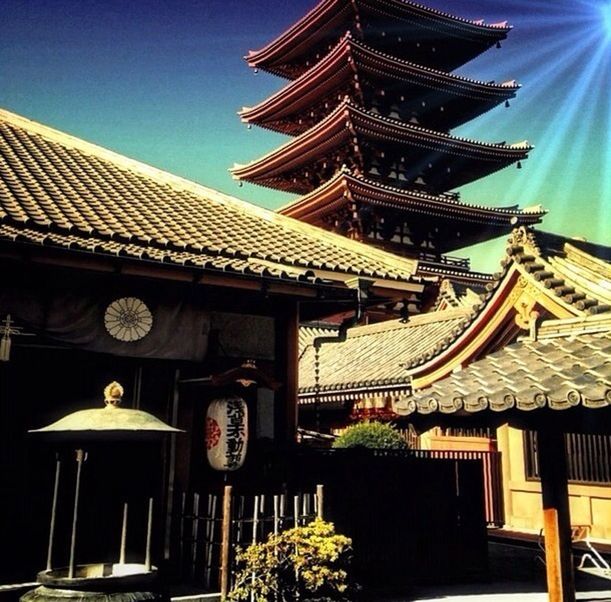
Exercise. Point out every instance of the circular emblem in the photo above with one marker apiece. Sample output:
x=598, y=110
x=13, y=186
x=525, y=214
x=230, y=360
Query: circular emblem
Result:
x=213, y=433
x=128, y=319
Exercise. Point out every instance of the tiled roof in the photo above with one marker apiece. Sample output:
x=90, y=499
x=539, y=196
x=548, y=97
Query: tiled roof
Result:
x=559, y=373
x=59, y=191
x=337, y=130
x=346, y=188
x=375, y=355
x=578, y=283
x=308, y=332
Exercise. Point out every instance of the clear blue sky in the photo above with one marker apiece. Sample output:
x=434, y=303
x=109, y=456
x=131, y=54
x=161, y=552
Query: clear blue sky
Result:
x=161, y=81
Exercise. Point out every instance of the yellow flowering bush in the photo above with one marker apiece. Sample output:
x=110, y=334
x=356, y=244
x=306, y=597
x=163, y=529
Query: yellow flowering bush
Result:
x=306, y=563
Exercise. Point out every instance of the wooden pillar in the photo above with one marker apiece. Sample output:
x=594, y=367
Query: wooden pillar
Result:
x=287, y=363
x=556, y=517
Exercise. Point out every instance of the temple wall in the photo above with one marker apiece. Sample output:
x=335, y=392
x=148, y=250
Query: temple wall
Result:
x=589, y=504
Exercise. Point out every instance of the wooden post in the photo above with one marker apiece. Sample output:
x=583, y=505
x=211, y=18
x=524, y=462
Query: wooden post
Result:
x=225, y=542
x=556, y=517
x=287, y=362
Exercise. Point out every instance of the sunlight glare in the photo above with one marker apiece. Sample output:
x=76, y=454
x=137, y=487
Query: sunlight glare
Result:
x=606, y=16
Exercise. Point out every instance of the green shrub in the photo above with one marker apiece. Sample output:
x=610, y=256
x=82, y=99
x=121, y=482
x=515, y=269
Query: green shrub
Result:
x=371, y=435
x=307, y=563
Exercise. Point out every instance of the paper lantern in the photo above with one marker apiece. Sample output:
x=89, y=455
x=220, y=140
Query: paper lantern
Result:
x=227, y=433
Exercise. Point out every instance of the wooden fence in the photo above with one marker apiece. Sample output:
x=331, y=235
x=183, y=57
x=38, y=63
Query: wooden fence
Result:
x=213, y=525
x=492, y=473
x=414, y=516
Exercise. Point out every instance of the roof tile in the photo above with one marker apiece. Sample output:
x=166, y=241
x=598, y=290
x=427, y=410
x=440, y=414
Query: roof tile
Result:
x=86, y=195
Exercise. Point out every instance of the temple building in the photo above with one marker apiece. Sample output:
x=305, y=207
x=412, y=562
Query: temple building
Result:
x=531, y=352
x=371, y=104
x=115, y=270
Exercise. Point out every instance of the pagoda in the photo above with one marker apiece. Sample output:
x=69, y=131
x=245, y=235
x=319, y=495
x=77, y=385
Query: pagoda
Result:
x=370, y=105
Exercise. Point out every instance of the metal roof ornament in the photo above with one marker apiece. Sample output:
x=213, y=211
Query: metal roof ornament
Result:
x=109, y=422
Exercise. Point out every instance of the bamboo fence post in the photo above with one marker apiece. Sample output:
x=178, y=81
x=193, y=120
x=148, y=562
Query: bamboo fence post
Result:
x=181, y=543
x=276, y=514
x=262, y=515
x=194, y=533
x=282, y=509
x=207, y=535
x=296, y=510
x=210, y=532
x=225, y=543
x=255, y=524
x=320, y=496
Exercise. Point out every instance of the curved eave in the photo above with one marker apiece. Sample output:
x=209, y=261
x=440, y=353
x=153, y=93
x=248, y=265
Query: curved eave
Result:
x=329, y=73
x=328, y=197
x=529, y=280
x=280, y=112
x=546, y=374
x=347, y=123
x=329, y=16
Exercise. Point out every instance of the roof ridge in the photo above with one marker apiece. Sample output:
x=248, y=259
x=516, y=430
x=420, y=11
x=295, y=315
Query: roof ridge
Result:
x=600, y=264
x=413, y=321
x=566, y=327
x=312, y=16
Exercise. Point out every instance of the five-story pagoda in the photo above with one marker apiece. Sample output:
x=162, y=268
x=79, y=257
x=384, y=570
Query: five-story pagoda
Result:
x=370, y=105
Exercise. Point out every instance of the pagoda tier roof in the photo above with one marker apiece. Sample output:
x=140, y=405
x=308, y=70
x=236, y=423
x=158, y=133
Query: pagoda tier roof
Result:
x=543, y=290
x=67, y=195
x=454, y=100
x=423, y=34
x=349, y=126
x=469, y=223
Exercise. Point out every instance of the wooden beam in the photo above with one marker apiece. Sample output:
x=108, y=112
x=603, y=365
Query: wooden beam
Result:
x=128, y=266
x=556, y=517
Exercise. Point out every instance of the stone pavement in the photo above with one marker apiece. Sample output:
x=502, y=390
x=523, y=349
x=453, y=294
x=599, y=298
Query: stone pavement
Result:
x=516, y=575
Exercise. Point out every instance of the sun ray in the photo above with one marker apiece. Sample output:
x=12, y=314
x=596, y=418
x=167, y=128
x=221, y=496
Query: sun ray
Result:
x=555, y=135
x=552, y=72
